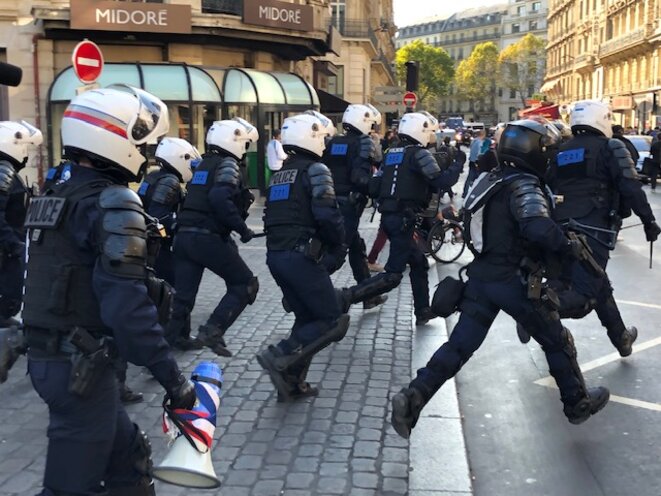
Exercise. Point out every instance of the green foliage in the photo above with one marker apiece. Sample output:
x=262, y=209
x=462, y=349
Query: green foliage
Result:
x=436, y=69
x=522, y=65
x=475, y=78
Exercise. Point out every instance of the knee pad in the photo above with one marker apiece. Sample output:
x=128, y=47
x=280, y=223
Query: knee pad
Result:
x=375, y=286
x=253, y=288
x=247, y=292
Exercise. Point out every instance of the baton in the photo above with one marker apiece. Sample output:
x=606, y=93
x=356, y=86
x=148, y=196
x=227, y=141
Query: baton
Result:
x=632, y=225
x=259, y=235
x=651, y=252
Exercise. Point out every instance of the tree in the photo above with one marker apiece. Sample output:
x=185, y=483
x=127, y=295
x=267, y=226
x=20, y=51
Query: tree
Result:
x=475, y=78
x=436, y=69
x=522, y=66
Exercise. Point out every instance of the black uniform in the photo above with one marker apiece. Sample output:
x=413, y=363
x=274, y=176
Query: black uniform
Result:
x=407, y=178
x=596, y=184
x=162, y=195
x=216, y=204
x=87, y=270
x=302, y=221
x=349, y=158
x=511, y=219
x=13, y=201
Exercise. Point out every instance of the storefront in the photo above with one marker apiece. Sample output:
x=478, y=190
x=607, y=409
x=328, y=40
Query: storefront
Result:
x=197, y=96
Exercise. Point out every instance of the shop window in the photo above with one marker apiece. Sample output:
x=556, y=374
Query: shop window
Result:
x=336, y=83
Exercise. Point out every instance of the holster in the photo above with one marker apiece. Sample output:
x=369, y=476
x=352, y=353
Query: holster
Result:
x=537, y=290
x=162, y=294
x=447, y=296
x=88, y=363
x=313, y=249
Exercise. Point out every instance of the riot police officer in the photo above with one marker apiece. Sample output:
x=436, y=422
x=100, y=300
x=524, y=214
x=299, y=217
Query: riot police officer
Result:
x=509, y=225
x=350, y=158
x=14, y=140
x=216, y=205
x=87, y=297
x=596, y=185
x=162, y=193
x=408, y=176
x=302, y=220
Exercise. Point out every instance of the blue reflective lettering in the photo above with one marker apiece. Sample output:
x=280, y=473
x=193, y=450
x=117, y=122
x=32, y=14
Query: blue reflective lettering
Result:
x=279, y=192
x=394, y=158
x=339, y=149
x=200, y=177
x=142, y=191
x=569, y=157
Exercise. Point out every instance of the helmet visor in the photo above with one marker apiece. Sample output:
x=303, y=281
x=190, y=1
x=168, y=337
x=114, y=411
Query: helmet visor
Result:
x=151, y=120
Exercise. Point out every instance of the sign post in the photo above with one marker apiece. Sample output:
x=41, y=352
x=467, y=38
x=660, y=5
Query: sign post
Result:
x=410, y=99
x=87, y=61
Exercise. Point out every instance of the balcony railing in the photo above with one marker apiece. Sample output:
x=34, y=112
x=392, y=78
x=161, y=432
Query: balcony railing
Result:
x=232, y=7
x=467, y=39
x=584, y=60
x=622, y=42
x=386, y=63
x=354, y=28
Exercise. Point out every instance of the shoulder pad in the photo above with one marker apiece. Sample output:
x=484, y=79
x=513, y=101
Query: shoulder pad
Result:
x=366, y=148
x=527, y=198
x=427, y=163
x=123, y=236
x=623, y=158
x=321, y=180
x=482, y=189
x=227, y=172
x=167, y=190
x=7, y=174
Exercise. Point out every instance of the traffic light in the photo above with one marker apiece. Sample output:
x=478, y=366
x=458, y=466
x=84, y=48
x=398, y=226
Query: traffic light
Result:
x=655, y=102
x=412, y=70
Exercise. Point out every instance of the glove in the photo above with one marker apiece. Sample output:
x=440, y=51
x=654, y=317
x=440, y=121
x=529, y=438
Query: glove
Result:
x=652, y=231
x=182, y=394
x=247, y=235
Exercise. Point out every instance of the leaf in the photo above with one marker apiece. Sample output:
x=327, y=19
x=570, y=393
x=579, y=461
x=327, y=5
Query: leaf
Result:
x=436, y=68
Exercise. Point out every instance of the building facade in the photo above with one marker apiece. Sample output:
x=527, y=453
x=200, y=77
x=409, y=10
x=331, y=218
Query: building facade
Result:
x=459, y=33
x=609, y=50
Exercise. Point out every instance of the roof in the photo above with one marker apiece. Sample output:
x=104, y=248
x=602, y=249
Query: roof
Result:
x=464, y=14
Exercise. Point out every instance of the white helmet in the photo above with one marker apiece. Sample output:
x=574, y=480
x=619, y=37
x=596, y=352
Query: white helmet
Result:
x=178, y=154
x=591, y=115
x=418, y=126
x=14, y=140
x=306, y=132
x=111, y=124
x=232, y=136
x=361, y=117
x=326, y=122
x=500, y=127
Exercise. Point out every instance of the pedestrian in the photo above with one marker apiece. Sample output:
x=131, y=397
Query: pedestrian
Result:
x=408, y=176
x=216, y=205
x=597, y=183
x=163, y=191
x=377, y=246
x=514, y=224
x=350, y=158
x=15, y=137
x=302, y=219
x=655, y=163
x=86, y=291
x=378, y=152
x=274, y=152
x=474, y=152
x=618, y=133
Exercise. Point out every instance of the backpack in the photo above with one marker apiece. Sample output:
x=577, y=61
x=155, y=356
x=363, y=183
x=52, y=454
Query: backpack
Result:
x=483, y=188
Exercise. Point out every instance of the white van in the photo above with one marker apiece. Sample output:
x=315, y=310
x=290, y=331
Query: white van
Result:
x=474, y=126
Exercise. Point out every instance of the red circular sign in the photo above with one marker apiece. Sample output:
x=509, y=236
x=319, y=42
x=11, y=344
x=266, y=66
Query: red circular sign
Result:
x=410, y=99
x=87, y=61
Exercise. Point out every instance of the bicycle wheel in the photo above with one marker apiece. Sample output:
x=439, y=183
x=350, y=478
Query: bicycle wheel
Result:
x=446, y=241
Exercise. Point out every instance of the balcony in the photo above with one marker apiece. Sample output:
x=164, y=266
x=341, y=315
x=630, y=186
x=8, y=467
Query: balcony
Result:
x=354, y=28
x=585, y=61
x=382, y=59
x=232, y=7
x=629, y=40
x=467, y=39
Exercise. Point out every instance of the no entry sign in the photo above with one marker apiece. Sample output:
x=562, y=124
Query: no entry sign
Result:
x=87, y=61
x=410, y=99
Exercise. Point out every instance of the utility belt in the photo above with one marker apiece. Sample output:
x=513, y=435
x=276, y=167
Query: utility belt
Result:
x=89, y=355
x=312, y=248
x=391, y=205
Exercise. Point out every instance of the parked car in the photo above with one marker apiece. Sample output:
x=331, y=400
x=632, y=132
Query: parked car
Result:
x=474, y=126
x=643, y=144
x=455, y=123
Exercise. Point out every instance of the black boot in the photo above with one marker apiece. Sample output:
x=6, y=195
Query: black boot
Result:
x=374, y=302
x=127, y=396
x=406, y=408
x=524, y=337
x=211, y=336
x=424, y=315
x=625, y=342
x=586, y=406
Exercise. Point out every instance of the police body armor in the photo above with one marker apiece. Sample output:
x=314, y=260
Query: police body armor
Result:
x=582, y=185
x=402, y=185
x=288, y=219
x=169, y=192
x=214, y=169
x=58, y=287
x=13, y=186
x=338, y=155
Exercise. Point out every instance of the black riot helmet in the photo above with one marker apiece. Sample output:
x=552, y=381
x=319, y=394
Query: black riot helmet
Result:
x=529, y=144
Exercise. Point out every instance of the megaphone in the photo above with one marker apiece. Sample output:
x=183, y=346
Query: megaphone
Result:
x=188, y=463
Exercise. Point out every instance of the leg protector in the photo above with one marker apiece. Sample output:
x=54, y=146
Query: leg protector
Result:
x=139, y=462
x=253, y=289
x=211, y=336
x=375, y=286
x=574, y=305
x=406, y=408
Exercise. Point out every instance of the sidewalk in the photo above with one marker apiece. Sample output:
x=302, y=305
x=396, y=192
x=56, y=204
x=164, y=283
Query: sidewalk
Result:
x=338, y=443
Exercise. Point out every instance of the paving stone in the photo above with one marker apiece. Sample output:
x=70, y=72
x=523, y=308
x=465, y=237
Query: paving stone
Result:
x=268, y=488
x=331, y=485
x=298, y=480
x=366, y=480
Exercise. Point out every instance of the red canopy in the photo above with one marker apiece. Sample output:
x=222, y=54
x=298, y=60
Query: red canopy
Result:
x=549, y=111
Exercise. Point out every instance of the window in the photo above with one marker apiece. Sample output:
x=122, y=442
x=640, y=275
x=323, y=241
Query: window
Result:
x=336, y=83
x=536, y=6
x=521, y=10
x=338, y=11
x=533, y=26
x=516, y=27
x=461, y=54
x=512, y=94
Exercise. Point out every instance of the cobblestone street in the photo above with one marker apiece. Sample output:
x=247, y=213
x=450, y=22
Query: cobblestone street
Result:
x=339, y=443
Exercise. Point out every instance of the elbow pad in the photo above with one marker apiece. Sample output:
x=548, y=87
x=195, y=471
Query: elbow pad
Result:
x=167, y=191
x=527, y=199
x=623, y=158
x=228, y=172
x=321, y=181
x=427, y=163
x=7, y=174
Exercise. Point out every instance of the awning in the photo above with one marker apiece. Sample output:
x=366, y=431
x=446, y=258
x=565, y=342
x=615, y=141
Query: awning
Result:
x=276, y=88
x=169, y=82
x=548, y=111
x=331, y=104
x=550, y=87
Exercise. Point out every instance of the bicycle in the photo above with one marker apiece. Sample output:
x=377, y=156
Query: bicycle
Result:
x=444, y=239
